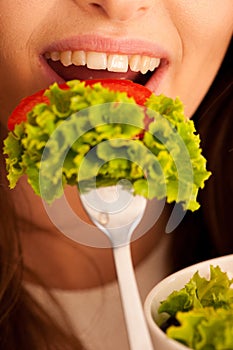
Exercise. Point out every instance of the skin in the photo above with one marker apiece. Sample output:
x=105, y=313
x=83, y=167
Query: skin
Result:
x=193, y=34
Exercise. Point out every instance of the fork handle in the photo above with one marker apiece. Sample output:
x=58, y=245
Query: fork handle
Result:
x=138, y=333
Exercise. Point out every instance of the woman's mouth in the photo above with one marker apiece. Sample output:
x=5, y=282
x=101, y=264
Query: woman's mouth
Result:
x=83, y=65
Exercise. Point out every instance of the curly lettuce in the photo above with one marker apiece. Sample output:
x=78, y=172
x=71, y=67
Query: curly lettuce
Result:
x=91, y=136
x=202, y=312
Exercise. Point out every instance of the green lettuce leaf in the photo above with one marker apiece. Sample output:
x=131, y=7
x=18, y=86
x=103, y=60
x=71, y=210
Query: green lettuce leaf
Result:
x=90, y=136
x=204, y=311
x=203, y=329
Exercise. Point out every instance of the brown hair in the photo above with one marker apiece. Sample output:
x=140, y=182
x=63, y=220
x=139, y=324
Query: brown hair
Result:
x=208, y=232
x=23, y=322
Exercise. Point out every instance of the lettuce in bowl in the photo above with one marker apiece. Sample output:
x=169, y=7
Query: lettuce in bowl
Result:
x=201, y=313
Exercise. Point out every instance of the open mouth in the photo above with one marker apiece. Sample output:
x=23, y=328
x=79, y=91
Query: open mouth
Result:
x=83, y=65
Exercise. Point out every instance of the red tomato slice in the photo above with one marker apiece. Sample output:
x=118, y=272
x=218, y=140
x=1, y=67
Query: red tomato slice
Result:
x=19, y=114
x=139, y=92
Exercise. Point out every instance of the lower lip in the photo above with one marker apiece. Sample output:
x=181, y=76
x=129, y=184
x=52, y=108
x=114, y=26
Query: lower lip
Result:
x=153, y=83
x=50, y=75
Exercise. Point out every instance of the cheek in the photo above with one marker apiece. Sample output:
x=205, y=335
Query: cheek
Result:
x=20, y=75
x=205, y=29
x=14, y=63
x=21, y=34
x=204, y=24
x=15, y=83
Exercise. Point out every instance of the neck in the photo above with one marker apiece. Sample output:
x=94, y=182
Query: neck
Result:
x=63, y=264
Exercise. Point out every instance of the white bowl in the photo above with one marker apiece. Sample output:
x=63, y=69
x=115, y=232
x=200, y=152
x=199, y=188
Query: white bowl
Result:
x=173, y=282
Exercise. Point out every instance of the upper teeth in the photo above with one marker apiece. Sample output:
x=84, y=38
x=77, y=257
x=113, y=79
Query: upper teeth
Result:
x=101, y=60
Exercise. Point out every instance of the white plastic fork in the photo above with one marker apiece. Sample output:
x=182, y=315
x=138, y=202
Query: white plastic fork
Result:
x=117, y=212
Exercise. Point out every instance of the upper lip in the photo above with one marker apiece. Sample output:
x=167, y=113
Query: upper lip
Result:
x=110, y=45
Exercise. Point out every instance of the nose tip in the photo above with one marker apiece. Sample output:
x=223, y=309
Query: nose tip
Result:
x=121, y=10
